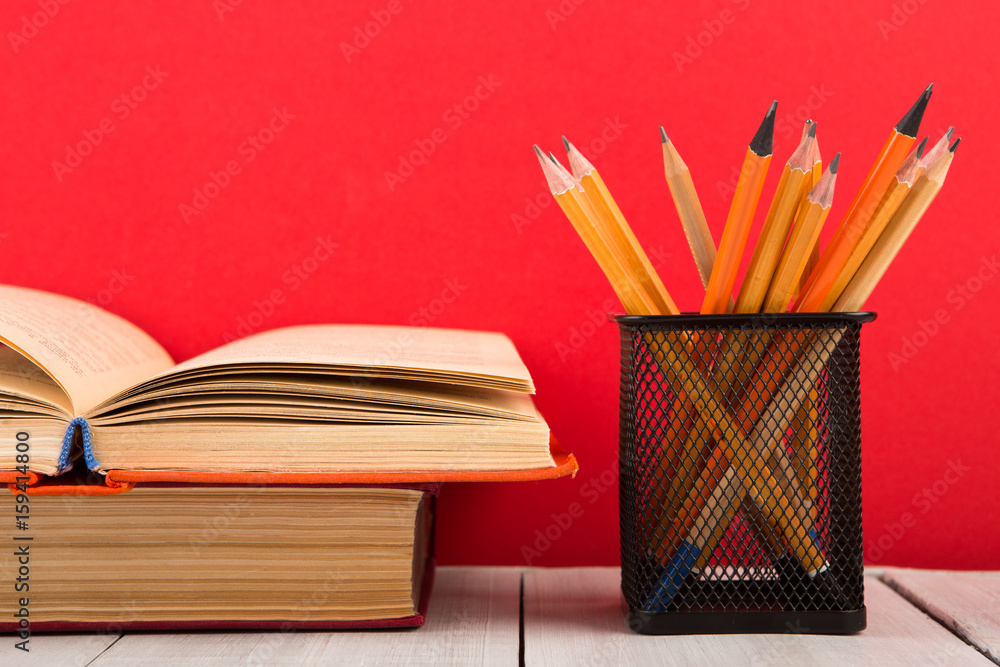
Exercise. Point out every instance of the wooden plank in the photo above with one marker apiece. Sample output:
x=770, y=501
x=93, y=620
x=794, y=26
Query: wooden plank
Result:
x=575, y=616
x=966, y=602
x=46, y=650
x=473, y=618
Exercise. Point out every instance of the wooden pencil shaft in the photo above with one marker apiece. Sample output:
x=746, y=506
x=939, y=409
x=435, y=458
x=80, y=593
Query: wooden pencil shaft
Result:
x=734, y=236
x=849, y=231
x=890, y=203
x=690, y=212
x=892, y=239
x=576, y=209
x=792, y=189
x=625, y=243
x=793, y=186
x=574, y=203
x=794, y=260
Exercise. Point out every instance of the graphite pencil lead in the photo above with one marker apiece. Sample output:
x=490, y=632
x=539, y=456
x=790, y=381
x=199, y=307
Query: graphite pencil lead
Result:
x=921, y=146
x=812, y=129
x=834, y=164
x=663, y=135
x=566, y=143
x=951, y=149
x=763, y=142
x=553, y=158
x=538, y=151
x=909, y=124
x=951, y=130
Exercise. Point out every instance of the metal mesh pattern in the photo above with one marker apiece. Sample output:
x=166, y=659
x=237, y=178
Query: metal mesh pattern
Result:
x=740, y=463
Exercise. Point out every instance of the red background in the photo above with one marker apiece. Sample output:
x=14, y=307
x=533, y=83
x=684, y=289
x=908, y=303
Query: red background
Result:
x=324, y=175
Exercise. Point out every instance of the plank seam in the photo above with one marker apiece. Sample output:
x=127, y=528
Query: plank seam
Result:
x=520, y=626
x=106, y=649
x=954, y=628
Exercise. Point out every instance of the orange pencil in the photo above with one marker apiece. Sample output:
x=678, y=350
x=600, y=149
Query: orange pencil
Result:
x=835, y=255
x=907, y=175
x=737, y=229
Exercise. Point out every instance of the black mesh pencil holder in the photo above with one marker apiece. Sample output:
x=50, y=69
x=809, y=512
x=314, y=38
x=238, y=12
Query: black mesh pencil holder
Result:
x=740, y=473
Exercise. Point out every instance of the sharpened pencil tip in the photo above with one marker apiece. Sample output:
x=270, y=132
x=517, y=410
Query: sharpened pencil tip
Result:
x=538, y=151
x=921, y=146
x=812, y=129
x=909, y=124
x=951, y=131
x=835, y=163
x=763, y=142
x=553, y=158
x=566, y=143
x=663, y=135
x=951, y=149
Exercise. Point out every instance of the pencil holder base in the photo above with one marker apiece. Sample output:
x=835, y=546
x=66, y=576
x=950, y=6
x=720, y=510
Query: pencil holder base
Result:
x=746, y=622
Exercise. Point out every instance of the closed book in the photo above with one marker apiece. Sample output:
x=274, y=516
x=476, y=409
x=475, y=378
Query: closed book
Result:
x=217, y=556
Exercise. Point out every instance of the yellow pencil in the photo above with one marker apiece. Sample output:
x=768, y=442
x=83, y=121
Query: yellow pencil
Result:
x=689, y=209
x=894, y=195
x=620, y=234
x=737, y=229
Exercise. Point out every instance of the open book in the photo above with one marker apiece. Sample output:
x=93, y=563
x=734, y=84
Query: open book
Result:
x=77, y=380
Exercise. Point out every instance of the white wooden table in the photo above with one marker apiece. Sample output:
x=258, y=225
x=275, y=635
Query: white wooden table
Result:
x=507, y=616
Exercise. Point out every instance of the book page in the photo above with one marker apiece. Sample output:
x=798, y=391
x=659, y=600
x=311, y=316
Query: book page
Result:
x=21, y=378
x=320, y=390
x=91, y=353
x=450, y=352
